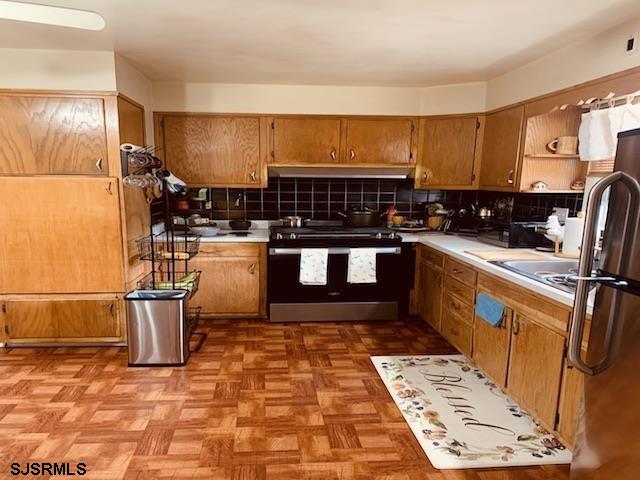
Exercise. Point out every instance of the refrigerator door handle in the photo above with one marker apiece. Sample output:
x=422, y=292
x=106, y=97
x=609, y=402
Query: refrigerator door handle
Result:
x=578, y=314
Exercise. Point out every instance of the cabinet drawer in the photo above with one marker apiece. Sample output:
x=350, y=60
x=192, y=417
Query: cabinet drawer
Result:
x=230, y=249
x=462, y=292
x=457, y=332
x=431, y=256
x=460, y=309
x=459, y=271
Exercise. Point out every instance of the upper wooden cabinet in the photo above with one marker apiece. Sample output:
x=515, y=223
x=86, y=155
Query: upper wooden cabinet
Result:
x=65, y=235
x=305, y=140
x=52, y=135
x=213, y=150
x=379, y=141
x=449, y=152
x=501, y=149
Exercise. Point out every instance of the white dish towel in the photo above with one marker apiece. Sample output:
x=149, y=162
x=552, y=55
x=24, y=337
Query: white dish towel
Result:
x=362, y=265
x=313, y=266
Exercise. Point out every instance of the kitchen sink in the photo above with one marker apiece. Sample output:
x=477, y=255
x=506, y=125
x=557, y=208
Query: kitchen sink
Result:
x=551, y=272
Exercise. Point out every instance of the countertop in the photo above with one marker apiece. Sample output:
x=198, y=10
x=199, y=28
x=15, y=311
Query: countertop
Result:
x=255, y=235
x=455, y=247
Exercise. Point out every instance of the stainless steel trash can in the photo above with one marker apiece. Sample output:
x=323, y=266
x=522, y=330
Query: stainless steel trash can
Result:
x=158, y=328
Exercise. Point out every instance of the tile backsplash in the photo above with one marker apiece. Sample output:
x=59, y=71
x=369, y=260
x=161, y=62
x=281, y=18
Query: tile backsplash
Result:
x=322, y=198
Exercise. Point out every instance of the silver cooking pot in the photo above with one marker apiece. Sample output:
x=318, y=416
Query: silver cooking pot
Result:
x=294, y=221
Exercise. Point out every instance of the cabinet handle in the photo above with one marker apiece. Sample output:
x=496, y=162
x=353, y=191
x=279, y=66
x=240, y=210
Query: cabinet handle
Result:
x=99, y=164
x=455, y=305
x=516, y=326
x=426, y=176
x=108, y=188
x=252, y=268
x=111, y=309
x=352, y=154
x=510, y=177
x=252, y=176
x=453, y=331
x=333, y=154
x=456, y=271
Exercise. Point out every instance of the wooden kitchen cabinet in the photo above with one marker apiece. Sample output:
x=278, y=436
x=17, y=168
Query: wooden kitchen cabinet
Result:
x=491, y=347
x=535, y=368
x=431, y=306
x=64, y=320
x=305, y=140
x=54, y=135
x=232, y=282
x=212, y=150
x=501, y=149
x=65, y=235
x=387, y=141
x=571, y=393
x=449, y=153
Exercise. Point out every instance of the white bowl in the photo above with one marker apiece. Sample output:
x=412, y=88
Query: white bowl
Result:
x=205, y=231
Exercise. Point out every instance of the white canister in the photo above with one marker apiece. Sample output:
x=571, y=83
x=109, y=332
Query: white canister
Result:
x=572, y=241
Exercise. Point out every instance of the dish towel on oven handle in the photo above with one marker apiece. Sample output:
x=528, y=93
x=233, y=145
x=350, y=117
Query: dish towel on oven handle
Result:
x=362, y=265
x=313, y=266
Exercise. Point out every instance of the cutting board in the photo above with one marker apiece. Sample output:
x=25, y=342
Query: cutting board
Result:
x=506, y=254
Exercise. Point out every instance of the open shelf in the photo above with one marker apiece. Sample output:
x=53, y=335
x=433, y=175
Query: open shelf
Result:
x=166, y=281
x=162, y=247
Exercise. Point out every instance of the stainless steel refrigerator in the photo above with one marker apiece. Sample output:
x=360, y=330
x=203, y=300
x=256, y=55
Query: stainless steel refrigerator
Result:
x=608, y=438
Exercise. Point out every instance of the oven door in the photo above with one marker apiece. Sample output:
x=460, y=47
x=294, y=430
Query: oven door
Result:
x=390, y=292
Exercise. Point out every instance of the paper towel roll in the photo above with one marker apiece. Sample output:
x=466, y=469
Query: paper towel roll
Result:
x=573, y=236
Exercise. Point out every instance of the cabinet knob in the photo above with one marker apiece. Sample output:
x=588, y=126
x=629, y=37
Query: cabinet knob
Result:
x=510, y=177
x=253, y=176
x=99, y=164
x=352, y=154
x=333, y=154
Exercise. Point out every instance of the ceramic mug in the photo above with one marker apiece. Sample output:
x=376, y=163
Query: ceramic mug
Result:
x=564, y=145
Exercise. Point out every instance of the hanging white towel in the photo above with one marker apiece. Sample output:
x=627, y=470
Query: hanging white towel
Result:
x=313, y=266
x=595, y=139
x=362, y=265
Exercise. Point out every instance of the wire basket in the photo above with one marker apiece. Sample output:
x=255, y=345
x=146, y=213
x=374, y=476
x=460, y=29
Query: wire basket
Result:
x=161, y=247
x=165, y=281
x=193, y=315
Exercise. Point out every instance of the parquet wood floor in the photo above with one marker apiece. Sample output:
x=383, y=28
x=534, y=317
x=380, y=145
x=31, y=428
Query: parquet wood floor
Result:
x=259, y=401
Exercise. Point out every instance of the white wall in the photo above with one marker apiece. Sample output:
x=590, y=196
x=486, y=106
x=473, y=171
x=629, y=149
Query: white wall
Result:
x=458, y=98
x=136, y=86
x=57, y=69
x=576, y=63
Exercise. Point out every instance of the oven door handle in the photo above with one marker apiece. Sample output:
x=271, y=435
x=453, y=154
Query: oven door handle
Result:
x=332, y=251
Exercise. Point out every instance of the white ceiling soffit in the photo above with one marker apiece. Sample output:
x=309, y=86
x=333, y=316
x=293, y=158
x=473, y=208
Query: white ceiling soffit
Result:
x=48, y=15
x=413, y=43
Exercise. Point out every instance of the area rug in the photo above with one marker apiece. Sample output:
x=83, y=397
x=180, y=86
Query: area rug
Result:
x=461, y=418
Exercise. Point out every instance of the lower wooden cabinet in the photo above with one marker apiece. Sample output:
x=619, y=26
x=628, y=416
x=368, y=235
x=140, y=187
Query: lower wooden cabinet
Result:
x=535, y=368
x=571, y=393
x=430, y=300
x=491, y=347
x=95, y=319
x=458, y=332
x=232, y=282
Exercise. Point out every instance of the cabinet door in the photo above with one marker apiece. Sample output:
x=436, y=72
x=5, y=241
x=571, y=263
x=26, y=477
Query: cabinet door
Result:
x=52, y=135
x=501, y=149
x=379, y=141
x=535, y=368
x=228, y=285
x=571, y=394
x=60, y=235
x=131, y=122
x=53, y=319
x=213, y=151
x=491, y=347
x=306, y=140
x=431, y=302
x=447, y=152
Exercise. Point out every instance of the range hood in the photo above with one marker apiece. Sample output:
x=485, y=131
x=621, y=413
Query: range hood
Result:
x=332, y=171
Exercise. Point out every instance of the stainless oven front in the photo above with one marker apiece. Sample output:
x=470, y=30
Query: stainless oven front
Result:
x=291, y=301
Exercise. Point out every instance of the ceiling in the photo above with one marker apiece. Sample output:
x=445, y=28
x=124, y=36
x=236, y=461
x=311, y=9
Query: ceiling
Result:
x=327, y=42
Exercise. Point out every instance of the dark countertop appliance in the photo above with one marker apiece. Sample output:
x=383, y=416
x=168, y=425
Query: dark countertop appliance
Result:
x=512, y=234
x=291, y=301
